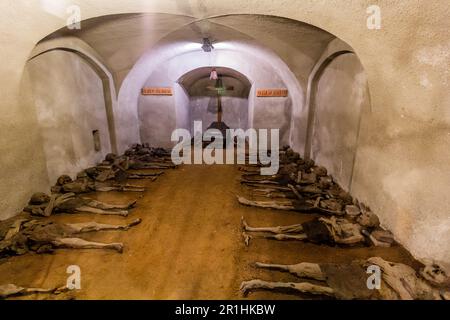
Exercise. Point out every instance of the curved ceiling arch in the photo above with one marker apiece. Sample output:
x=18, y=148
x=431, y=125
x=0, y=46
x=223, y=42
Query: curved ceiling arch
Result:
x=197, y=81
x=222, y=56
x=123, y=38
x=124, y=41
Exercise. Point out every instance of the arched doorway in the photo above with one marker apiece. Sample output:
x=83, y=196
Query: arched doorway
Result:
x=225, y=99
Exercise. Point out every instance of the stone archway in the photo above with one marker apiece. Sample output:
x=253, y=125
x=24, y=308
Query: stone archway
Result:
x=203, y=102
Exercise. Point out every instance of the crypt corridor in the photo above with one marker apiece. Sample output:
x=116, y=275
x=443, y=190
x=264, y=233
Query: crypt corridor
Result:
x=368, y=107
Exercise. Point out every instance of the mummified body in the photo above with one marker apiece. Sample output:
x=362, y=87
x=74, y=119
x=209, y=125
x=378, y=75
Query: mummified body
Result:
x=349, y=281
x=10, y=290
x=288, y=204
x=321, y=230
x=42, y=204
x=302, y=186
x=147, y=154
x=98, y=178
x=21, y=234
x=85, y=184
x=121, y=164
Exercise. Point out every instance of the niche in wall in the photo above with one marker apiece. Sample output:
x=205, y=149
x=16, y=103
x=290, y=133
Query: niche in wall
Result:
x=340, y=93
x=97, y=140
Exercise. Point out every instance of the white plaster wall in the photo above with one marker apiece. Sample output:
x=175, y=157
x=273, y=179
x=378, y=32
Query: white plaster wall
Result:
x=22, y=156
x=402, y=171
x=157, y=120
x=235, y=111
x=340, y=95
x=182, y=109
x=69, y=101
x=157, y=114
x=167, y=66
x=118, y=120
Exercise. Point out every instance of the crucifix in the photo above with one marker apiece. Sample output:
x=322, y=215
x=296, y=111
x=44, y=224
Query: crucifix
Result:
x=220, y=90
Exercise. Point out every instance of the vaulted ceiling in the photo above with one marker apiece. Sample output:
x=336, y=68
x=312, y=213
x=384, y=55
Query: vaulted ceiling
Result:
x=122, y=39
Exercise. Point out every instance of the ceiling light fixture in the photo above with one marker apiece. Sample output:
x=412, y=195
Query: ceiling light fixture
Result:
x=207, y=45
x=214, y=75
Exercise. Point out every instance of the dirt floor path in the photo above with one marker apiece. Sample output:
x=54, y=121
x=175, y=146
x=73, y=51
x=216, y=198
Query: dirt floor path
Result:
x=188, y=246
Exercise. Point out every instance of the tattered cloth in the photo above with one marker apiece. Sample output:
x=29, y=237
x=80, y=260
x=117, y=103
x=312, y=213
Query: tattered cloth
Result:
x=45, y=232
x=72, y=204
x=6, y=226
x=349, y=281
x=317, y=232
x=33, y=235
x=302, y=206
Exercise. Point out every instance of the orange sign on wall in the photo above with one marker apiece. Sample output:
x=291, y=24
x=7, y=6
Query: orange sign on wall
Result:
x=272, y=93
x=157, y=91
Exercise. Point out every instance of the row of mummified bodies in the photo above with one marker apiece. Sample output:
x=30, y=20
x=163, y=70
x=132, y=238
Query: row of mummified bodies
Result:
x=113, y=172
x=302, y=186
x=31, y=232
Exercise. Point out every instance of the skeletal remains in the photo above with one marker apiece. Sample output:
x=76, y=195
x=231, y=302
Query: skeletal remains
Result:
x=95, y=179
x=301, y=180
x=349, y=281
x=144, y=157
x=117, y=168
x=10, y=290
x=302, y=186
x=44, y=205
x=22, y=234
x=320, y=230
x=85, y=184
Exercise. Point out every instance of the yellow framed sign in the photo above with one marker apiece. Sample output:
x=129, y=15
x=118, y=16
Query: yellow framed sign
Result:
x=272, y=93
x=157, y=91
